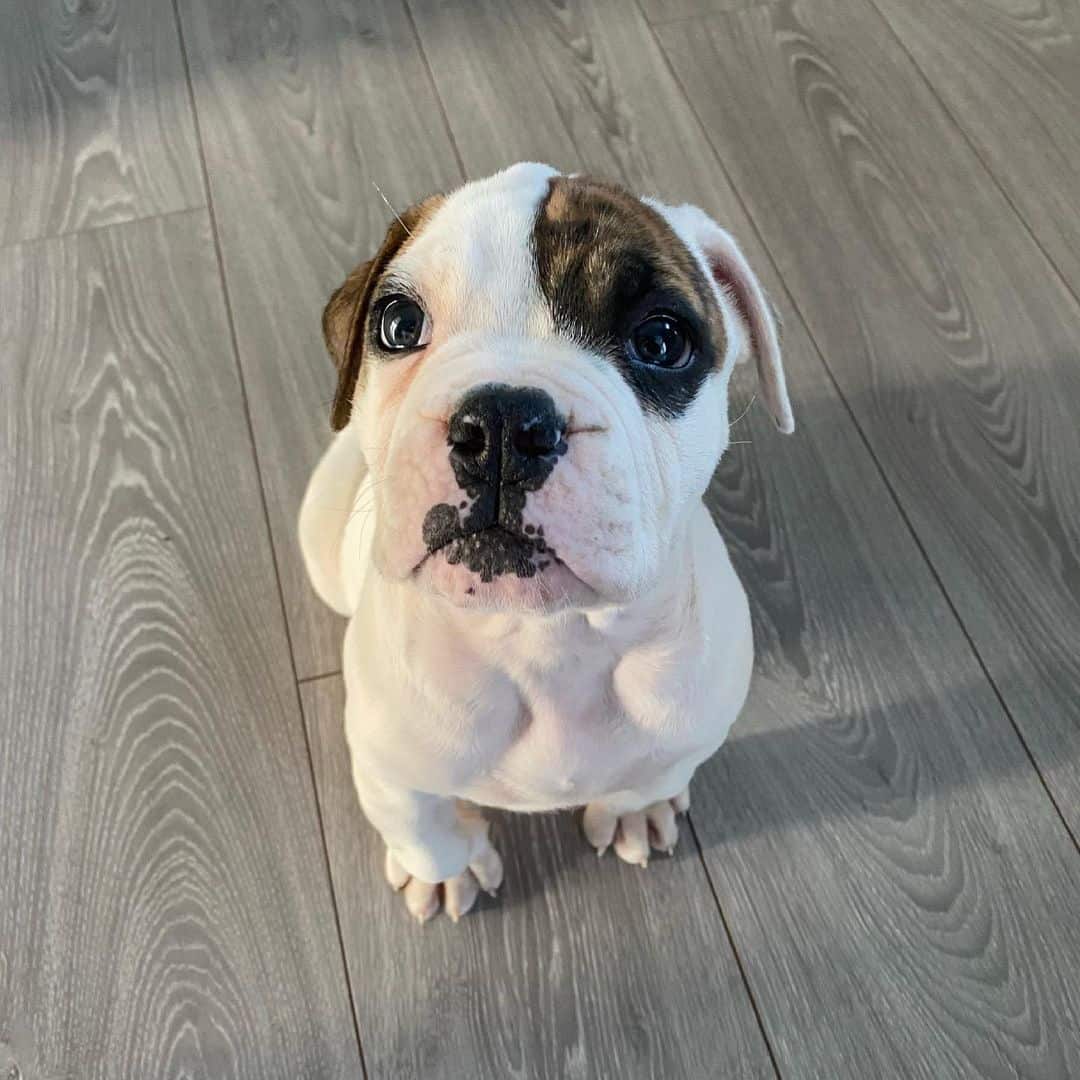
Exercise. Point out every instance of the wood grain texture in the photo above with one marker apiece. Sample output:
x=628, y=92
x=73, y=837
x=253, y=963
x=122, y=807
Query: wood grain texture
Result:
x=592, y=81
x=895, y=878
x=898, y=885
x=950, y=335
x=95, y=117
x=1009, y=73
x=661, y=11
x=583, y=967
x=304, y=107
x=164, y=903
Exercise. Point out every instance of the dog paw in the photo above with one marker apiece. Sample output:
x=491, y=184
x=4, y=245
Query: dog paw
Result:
x=456, y=895
x=634, y=835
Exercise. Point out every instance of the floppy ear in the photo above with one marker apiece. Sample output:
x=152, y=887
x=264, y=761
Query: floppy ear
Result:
x=345, y=314
x=343, y=321
x=732, y=274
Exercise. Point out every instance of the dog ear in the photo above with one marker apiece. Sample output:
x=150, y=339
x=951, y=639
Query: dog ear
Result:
x=342, y=323
x=345, y=315
x=733, y=276
x=732, y=273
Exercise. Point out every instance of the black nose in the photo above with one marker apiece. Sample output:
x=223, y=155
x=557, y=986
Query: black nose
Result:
x=506, y=436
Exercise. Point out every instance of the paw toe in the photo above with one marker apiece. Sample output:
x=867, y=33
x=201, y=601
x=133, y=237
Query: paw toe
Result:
x=421, y=899
x=599, y=826
x=663, y=829
x=396, y=874
x=632, y=839
x=460, y=894
x=487, y=868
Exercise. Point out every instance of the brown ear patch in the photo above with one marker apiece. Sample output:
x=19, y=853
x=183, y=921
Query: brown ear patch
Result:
x=345, y=314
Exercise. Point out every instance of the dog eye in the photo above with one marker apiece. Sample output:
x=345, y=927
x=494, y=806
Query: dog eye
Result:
x=661, y=340
x=403, y=325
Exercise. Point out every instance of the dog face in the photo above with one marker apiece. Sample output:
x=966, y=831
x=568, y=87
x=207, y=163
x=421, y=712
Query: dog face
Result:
x=537, y=366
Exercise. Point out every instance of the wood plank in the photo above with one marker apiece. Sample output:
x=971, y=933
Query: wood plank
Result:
x=303, y=109
x=892, y=871
x=1024, y=60
x=589, y=77
x=165, y=909
x=95, y=117
x=582, y=968
x=661, y=11
x=950, y=335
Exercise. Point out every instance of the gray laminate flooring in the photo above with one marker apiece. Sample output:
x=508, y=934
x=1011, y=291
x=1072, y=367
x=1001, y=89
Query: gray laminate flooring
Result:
x=880, y=877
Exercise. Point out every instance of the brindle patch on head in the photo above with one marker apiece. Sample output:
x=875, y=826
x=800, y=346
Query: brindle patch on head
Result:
x=345, y=314
x=605, y=261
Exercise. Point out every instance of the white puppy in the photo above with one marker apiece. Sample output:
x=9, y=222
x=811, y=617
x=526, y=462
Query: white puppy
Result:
x=531, y=400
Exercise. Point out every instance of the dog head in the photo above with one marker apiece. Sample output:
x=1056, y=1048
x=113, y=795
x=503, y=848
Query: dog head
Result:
x=537, y=368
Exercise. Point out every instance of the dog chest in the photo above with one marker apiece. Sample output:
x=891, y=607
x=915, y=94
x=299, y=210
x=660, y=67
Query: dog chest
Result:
x=588, y=725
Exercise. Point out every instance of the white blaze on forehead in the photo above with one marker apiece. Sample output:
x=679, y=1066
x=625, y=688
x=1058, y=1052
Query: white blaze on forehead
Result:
x=473, y=262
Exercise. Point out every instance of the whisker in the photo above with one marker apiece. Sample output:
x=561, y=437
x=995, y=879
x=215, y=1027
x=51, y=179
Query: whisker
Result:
x=391, y=207
x=367, y=503
x=742, y=415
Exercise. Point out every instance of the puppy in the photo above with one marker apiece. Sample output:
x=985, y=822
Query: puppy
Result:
x=532, y=379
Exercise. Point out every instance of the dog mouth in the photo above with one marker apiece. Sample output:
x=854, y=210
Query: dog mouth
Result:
x=495, y=562
x=490, y=552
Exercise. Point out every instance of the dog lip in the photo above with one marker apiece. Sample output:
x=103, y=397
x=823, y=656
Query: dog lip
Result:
x=494, y=528
x=590, y=591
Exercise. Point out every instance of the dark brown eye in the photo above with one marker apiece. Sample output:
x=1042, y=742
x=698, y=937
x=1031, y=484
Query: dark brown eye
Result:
x=661, y=340
x=403, y=325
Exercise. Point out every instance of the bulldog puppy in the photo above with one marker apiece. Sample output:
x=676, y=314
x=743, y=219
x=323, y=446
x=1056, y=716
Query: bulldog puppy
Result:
x=531, y=400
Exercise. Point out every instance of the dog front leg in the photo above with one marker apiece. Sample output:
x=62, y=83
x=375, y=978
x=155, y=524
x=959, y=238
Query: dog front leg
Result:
x=437, y=848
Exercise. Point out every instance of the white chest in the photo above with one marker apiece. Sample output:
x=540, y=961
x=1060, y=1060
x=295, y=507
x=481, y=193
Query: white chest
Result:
x=532, y=717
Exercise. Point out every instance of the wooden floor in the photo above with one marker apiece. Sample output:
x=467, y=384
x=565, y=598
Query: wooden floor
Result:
x=881, y=877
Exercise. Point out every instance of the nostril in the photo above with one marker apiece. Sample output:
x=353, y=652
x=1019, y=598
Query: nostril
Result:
x=536, y=437
x=505, y=435
x=468, y=438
